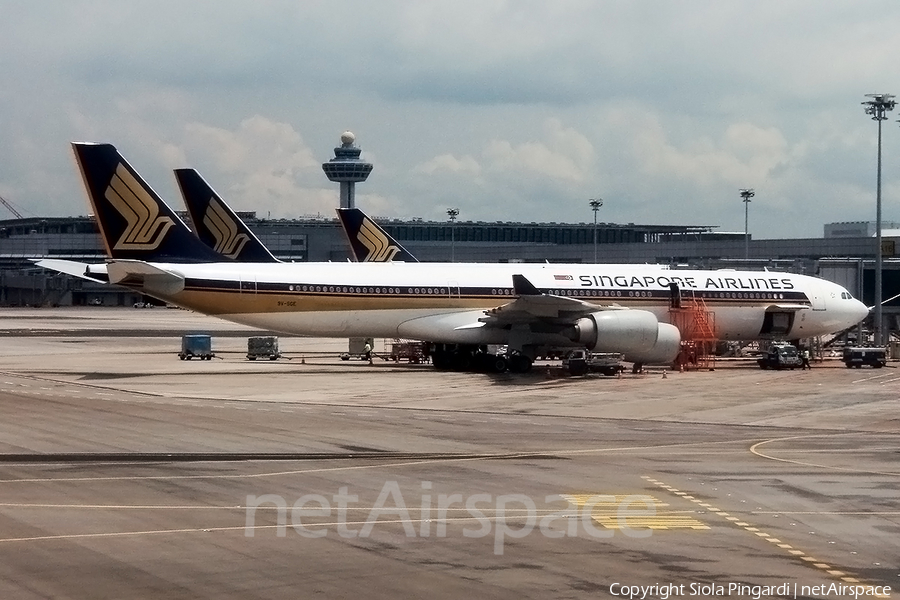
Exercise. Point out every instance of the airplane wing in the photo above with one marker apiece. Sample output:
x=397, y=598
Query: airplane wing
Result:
x=532, y=304
x=535, y=317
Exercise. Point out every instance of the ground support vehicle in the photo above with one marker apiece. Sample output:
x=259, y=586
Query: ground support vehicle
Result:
x=357, y=348
x=263, y=347
x=414, y=352
x=197, y=345
x=582, y=362
x=780, y=356
x=857, y=357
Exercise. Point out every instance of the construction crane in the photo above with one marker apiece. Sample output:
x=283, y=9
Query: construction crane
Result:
x=10, y=207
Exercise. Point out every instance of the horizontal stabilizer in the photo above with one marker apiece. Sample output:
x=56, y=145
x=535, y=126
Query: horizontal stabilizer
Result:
x=143, y=276
x=70, y=267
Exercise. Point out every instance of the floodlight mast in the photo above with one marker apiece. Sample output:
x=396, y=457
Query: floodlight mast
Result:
x=746, y=194
x=595, y=203
x=878, y=107
x=452, y=213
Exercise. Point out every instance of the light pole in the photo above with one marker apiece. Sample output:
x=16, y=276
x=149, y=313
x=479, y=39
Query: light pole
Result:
x=878, y=106
x=452, y=213
x=746, y=194
x=595, y=203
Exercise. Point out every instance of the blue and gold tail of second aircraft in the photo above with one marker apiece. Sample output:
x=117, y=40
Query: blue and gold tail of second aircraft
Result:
x=371, y=243
x=134, y=221
x=216, y=224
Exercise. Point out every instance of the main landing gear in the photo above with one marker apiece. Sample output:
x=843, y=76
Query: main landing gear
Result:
x=460, y=357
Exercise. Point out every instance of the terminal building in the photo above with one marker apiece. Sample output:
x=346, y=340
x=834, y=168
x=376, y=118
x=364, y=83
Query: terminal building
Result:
x=845, y=254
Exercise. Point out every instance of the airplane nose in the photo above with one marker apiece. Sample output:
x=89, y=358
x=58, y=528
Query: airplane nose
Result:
x=857, y=312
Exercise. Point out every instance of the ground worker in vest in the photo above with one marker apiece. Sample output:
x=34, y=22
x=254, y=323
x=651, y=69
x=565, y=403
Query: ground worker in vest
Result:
x=367, y=350
x=805, y=357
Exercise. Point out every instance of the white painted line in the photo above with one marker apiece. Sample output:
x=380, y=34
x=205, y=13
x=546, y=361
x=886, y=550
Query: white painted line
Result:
x=872, y=378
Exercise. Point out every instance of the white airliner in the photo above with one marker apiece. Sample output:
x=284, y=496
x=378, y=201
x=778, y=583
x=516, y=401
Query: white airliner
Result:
x=459, y=307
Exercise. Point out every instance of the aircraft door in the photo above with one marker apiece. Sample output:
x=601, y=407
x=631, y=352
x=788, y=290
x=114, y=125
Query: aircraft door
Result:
x=248, y=285
x=675, y=296
x=777, y=323
x=453, y=290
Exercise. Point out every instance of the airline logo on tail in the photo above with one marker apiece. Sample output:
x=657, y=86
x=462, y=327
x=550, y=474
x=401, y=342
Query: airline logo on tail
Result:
x=145, y=228
x=228, y=241
x=377, y=243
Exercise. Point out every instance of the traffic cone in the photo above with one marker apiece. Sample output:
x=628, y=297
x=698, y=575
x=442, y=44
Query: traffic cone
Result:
x=664, y=374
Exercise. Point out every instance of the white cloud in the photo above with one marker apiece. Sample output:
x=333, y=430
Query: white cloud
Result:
x=563, y=154
x=465, y=165
x=506, y=109
x=262, y=163
x=745, y=153
x=257, y=143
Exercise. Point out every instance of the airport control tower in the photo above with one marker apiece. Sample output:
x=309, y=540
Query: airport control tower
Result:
x=346, y=168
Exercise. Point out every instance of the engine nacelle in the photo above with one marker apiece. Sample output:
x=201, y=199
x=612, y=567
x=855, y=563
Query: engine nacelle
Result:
x=622, y=331
x=667, y=347
x=635, y=333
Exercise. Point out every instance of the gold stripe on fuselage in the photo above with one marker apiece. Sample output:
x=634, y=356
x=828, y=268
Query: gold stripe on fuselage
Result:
x=229, y=301
x=217, y=302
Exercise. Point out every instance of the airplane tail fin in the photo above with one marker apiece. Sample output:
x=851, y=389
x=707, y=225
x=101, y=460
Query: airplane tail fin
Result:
x=371, y=243
x=216, y=224
x=134, y=221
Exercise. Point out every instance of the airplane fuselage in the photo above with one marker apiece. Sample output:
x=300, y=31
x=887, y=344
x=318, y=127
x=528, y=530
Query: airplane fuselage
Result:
x=410, y=299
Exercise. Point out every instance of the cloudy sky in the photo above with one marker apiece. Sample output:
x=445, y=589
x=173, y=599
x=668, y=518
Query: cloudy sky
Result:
x=513, y=110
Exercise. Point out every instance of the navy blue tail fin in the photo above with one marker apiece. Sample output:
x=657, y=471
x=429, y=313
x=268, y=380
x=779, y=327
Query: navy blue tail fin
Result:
x=371, y=243
x=134, y=221
x=216, y=224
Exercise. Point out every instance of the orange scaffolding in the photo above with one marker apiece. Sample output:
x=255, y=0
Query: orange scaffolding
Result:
x=697, y=325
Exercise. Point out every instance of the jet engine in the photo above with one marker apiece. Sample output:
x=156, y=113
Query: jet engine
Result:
x=635, y=333
x=668, y=344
